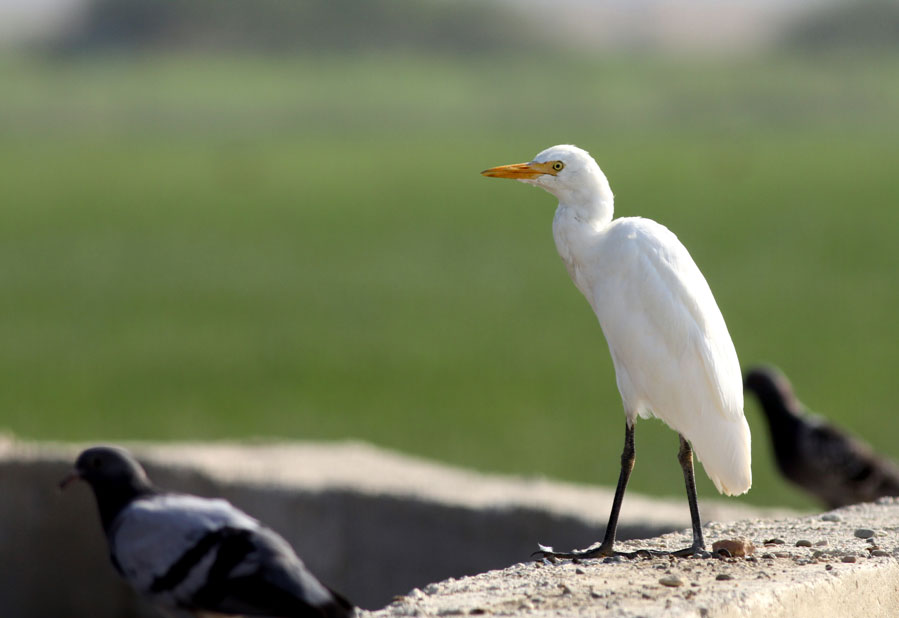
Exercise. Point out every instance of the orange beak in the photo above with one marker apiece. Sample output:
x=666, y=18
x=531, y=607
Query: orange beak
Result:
x=520, y=171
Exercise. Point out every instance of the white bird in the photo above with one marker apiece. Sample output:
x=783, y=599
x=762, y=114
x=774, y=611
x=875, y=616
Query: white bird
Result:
x=673, y=356
x=198, y=554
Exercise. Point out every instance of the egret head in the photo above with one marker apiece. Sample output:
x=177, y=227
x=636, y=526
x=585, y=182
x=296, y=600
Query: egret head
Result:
x=568, y=172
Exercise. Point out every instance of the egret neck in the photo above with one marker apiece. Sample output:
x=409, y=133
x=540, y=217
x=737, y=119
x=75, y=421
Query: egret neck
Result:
x=581, y=216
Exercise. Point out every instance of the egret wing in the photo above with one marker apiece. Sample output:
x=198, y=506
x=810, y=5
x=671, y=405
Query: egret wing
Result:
x=672, y=353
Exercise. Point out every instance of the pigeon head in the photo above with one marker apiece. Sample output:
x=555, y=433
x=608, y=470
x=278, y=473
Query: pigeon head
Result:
x=108, y=467
x=773, y=390
x=114, y=475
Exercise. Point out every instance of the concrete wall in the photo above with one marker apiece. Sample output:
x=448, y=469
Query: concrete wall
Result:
x=370, y=523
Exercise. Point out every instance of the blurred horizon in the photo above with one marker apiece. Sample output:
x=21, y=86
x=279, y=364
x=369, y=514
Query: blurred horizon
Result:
x=214, y=227
x=647, y=26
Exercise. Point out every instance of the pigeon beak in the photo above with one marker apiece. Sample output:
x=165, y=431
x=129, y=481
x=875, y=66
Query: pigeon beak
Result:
x=71, y=477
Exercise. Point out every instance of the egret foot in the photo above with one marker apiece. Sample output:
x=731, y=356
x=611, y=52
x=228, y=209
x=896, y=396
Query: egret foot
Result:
x=693, y=550
x=598, y=551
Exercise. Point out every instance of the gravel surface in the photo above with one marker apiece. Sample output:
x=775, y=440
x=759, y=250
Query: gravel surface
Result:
x=809, y=566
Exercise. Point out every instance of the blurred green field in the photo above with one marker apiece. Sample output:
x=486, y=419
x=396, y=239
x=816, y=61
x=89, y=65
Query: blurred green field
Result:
x=303, y=248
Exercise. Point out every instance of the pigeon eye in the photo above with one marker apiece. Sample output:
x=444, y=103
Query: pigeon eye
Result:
x=558, y=165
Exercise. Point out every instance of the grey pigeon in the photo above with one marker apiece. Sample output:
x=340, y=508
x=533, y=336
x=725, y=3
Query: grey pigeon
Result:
x=197, y=554
x=822, y=459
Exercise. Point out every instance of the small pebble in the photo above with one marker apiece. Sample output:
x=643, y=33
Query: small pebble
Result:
x=580, y=571
x=880, y=553
x=781, y=554
x=672, y=581
x=821, y=543
x=565, y=589
x=831, y=517
x=477, y=611
x=864, y=533
x=432, y=588
x=774, y=542
x=723, y=577
x=734, y=547
x=611, y=560
x=848, y=558
x=828, y=567
x=803, y=543
x=768, y=556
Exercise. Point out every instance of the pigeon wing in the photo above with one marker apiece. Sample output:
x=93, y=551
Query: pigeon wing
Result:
x=256, y=572
x=163, y=544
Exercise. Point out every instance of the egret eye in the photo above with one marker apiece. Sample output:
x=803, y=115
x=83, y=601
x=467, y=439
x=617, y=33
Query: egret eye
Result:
x=558, y=165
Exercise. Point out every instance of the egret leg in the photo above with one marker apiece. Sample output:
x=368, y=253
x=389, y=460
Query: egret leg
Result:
x=628, y=457
x=685, y=457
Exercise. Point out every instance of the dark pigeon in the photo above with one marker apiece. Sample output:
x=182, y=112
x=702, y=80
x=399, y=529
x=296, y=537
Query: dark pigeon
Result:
x=822, y=459
x=198, y=554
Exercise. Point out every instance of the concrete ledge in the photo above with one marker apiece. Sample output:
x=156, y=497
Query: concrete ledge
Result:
x=370, y=522
x=840, y=574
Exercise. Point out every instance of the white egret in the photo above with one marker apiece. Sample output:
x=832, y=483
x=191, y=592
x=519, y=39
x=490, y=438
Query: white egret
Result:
x=673, y=356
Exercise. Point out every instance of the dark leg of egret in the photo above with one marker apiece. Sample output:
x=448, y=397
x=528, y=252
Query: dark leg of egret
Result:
x=685, y=457
x=628, y=457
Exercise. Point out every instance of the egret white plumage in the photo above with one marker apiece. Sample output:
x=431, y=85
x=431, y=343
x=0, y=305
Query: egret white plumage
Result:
x=673, y=356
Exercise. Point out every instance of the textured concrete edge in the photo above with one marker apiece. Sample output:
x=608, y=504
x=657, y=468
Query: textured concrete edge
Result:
x=869, y=590
x=843, y=563
x=365, y=468
x=372, y=523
